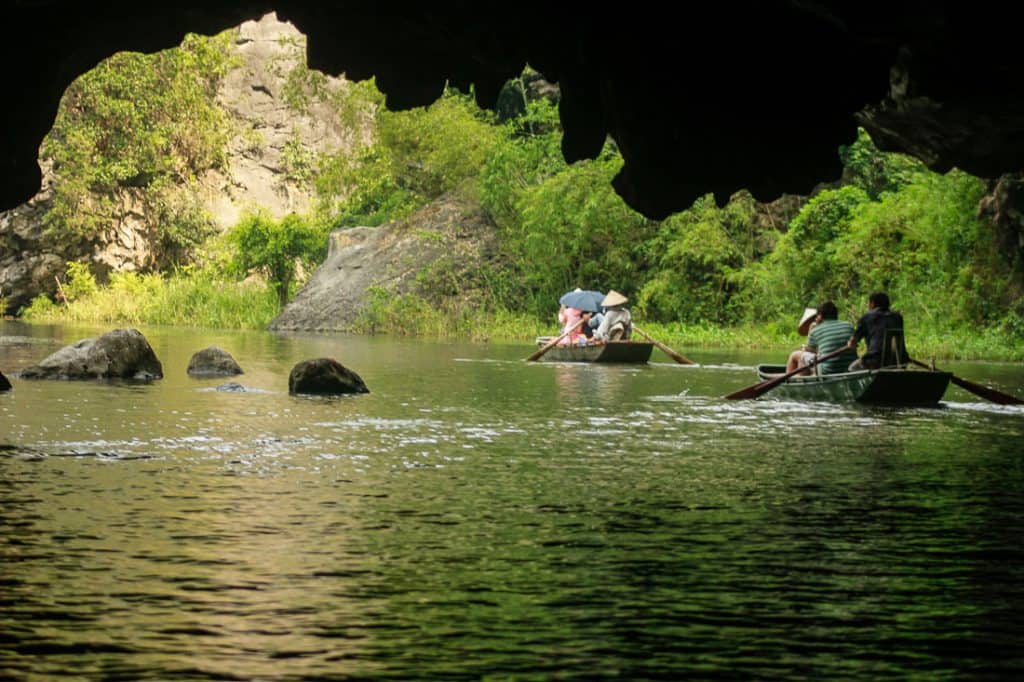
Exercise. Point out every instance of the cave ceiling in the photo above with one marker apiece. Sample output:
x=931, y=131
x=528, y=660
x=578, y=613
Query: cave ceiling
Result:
x=699, y=98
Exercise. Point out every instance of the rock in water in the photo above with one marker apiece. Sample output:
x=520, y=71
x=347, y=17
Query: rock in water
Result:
x=324, y=376
x=5, y=385
x=232, y=387
x=119, y=354
x=213, y=361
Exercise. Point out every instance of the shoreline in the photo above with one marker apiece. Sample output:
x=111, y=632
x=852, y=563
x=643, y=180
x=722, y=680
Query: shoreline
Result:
x=925, y=345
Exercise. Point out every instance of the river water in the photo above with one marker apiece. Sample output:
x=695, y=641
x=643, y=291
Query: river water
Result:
x=479, y=517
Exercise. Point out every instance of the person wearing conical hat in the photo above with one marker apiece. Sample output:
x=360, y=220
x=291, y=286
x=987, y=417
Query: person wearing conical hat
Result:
x=807, y=320
x=802, y=356
x=617, y=323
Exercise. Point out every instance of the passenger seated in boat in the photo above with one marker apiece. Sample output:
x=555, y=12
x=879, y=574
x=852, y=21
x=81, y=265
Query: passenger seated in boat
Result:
x=592, y=326
x=829, y=335
x=878, y=325
x=617, y=323
x=802, y=357
x=568, y=317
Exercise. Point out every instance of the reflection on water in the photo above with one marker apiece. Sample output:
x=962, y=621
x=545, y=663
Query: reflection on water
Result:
x=478, y=516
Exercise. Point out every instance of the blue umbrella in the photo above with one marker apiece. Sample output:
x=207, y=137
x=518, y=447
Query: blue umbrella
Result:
x=587, y=301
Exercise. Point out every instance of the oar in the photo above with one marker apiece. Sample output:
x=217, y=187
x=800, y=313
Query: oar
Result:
x=551, y=345
x=665, y=349
x=751, y=392
x=977, y=389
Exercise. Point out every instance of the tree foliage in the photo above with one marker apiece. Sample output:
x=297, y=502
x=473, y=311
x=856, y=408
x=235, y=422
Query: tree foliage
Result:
x=696, y=253
x=417, y=156
x=574, y=231
x=276, y=249
x=147, y=124
x=874, y=171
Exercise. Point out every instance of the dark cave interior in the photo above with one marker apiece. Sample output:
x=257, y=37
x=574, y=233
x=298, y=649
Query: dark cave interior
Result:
x=714, y=97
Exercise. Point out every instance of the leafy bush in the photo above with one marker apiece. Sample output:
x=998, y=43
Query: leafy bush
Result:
x=801, y=270
x=874, y=171
x=138, y=123
x=418, y=156
x=275, y=249
x=696, y=253
x=81, y=283
x=574, y=231
x=528, y=153
x=925, y=246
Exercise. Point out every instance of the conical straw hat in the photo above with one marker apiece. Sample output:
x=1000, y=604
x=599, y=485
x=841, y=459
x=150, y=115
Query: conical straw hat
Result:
x=613, y=299
x=805, y=321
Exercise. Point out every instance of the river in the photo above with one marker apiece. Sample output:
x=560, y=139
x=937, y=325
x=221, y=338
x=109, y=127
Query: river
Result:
x=480, y=517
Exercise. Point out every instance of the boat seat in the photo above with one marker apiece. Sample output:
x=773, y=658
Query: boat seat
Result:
x=894, y=350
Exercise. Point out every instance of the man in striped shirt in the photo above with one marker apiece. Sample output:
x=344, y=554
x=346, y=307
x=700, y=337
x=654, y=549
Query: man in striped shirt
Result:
x=831, y=334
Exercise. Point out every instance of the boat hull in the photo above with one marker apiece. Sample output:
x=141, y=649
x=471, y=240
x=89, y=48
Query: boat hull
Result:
x=875, y=387
x=613, y=351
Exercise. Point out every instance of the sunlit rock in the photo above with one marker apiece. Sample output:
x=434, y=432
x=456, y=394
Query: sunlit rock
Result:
x=255, y=95
x=213, y=361
x=449, y=235
x=119, y=354
x=324, y=376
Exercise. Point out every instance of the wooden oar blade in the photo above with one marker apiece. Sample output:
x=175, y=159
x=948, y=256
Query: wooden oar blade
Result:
x=751, y=392
x=681, y=359
x=985, y=392
x=992, y=394
x=748, y=393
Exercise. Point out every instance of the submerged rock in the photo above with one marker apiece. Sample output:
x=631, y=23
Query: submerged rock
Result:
x=119, y=354
x=213, y=361
x=232, y=387
x=5, y=385
x=324, y=376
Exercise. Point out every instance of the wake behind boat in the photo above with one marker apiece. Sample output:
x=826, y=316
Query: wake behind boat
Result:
x=609, y=351
x=889, y=386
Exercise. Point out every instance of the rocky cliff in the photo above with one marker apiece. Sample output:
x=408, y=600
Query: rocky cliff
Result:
x=283, y=118
x=448, y=242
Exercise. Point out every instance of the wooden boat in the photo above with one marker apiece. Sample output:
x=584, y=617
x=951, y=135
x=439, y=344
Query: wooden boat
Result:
x=890, y=386
x=611, y=351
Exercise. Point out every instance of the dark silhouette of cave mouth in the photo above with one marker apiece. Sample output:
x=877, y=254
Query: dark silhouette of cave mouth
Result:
x=706, y=98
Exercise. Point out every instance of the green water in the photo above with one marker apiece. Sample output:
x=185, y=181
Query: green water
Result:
x=479, y=517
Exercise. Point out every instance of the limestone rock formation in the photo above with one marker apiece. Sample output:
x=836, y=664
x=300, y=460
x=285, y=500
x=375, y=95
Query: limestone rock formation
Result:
x=28, y=263
x=324, y=376
x=268, y=132
x=213, y=361
x=1003, y=206
x=275, y=123
x=118, y=354
x=449, y=235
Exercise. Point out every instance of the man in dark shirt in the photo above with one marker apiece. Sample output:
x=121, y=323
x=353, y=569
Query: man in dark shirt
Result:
x=875, y=326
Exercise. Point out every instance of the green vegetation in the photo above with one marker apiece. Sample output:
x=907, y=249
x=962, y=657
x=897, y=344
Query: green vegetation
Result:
x=191, y=296
x=276, y=249
x=418, y=156
x=711, y=275
x=139, y=128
